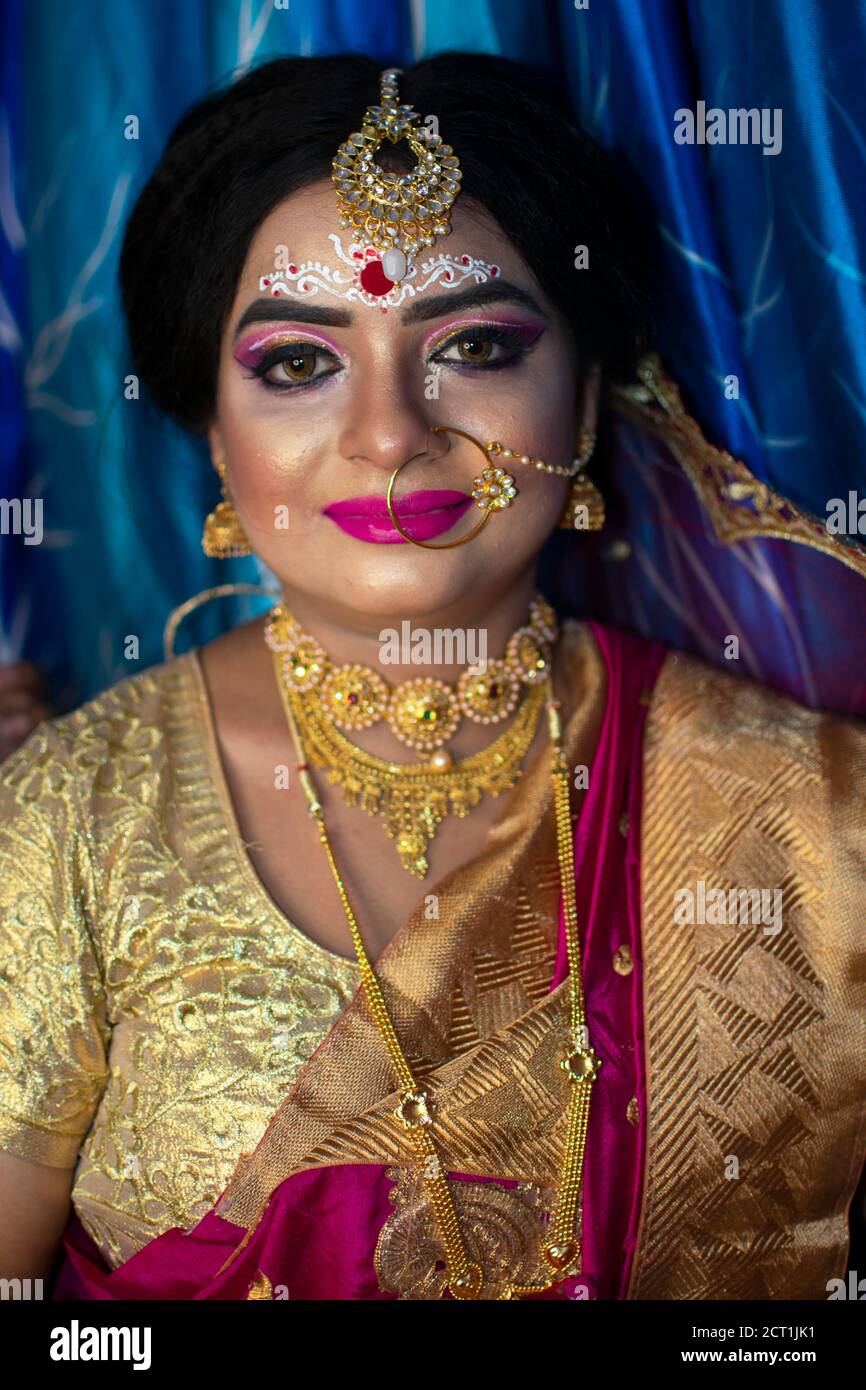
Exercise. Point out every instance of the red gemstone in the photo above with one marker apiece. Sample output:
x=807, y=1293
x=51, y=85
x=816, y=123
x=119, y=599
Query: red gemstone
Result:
x=266, y=282
x=293, y=270
x=374, y=280
x=465, y=260
x=494, y=270
x=359, y=255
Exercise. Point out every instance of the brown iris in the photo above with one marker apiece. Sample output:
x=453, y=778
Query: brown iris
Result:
x=299, y=366
x=474, y=349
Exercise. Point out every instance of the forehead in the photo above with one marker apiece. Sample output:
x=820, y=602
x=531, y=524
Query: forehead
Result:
x=304, y=223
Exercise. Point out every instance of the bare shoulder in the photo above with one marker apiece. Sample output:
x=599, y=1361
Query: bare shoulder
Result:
x=226, y=656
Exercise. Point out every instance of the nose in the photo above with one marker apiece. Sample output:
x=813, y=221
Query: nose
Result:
x=387, y=427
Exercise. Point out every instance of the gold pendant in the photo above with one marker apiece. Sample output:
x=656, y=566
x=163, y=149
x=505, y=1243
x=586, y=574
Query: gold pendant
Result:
x=413, y=799
x=505, y=1228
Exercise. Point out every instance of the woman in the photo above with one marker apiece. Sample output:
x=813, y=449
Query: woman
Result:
x=470, y=1043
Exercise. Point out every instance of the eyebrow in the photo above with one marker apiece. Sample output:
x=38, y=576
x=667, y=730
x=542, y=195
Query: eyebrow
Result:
x=430, y=307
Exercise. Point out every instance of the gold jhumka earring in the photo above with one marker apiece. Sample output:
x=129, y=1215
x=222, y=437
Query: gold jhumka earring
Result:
x=223, y=535
x=584, y=507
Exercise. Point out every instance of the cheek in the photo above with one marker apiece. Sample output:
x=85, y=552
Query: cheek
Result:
x=513, y=536
x=549, y=417
x=541, y=424
x=543, y=501
x=270, y=459
x=541, y=427
x=525, y=524
x=531, y=409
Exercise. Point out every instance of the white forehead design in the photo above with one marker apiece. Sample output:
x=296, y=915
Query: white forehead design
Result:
x=305, y=281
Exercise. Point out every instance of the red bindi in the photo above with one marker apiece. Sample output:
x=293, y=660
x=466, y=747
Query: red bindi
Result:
x=374, y=280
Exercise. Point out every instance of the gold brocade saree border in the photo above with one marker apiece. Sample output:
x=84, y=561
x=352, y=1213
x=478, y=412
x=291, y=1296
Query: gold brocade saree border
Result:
x=754, y=1039
x=739, y=506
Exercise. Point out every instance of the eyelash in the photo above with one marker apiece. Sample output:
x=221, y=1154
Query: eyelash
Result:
x=517, y=340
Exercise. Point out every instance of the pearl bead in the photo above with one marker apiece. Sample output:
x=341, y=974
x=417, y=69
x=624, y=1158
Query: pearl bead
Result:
x=441, y=760
x=394, y=264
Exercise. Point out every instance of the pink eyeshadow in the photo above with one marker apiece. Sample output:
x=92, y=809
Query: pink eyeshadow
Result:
x=250, y=350
x=440, y=335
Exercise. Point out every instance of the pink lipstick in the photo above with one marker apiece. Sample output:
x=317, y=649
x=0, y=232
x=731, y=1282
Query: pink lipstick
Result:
x=424, y=515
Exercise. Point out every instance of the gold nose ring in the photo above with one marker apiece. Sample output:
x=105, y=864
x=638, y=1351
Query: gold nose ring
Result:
x=494, y=490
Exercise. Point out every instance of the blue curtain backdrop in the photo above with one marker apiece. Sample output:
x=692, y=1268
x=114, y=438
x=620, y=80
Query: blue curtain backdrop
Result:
x=763, y=274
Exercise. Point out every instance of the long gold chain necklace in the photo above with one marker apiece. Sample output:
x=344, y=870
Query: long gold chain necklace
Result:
x=416, y=1111
x=413, y=799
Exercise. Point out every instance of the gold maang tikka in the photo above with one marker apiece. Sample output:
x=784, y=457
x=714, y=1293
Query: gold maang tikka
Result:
x=395, y=213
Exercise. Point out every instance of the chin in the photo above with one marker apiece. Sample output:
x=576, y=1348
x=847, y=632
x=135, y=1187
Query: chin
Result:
x=389, y=582
x=407, y=594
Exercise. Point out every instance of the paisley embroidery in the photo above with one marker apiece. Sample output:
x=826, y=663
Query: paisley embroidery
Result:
x=503, y=1228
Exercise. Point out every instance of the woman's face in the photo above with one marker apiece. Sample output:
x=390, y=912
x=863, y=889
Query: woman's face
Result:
x=315, y=413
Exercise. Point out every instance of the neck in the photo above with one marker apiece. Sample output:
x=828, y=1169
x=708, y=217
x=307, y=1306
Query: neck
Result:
x=440, y=645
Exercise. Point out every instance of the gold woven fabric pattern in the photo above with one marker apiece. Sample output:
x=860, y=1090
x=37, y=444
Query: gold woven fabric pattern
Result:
x=754, y=1038
x=159, y=1015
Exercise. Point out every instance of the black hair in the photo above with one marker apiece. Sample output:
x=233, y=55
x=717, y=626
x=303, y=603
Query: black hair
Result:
x=239, y=152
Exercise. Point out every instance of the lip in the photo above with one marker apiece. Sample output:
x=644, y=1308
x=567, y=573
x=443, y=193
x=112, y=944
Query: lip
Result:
x=424, y=515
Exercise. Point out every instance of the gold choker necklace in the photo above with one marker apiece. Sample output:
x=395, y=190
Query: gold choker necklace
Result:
x=414, y=798
x=423, y=713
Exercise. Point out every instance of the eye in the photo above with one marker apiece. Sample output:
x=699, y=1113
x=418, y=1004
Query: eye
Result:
x=474, y=349
x=489, y=346
x=300, y=366
x=290, y=365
